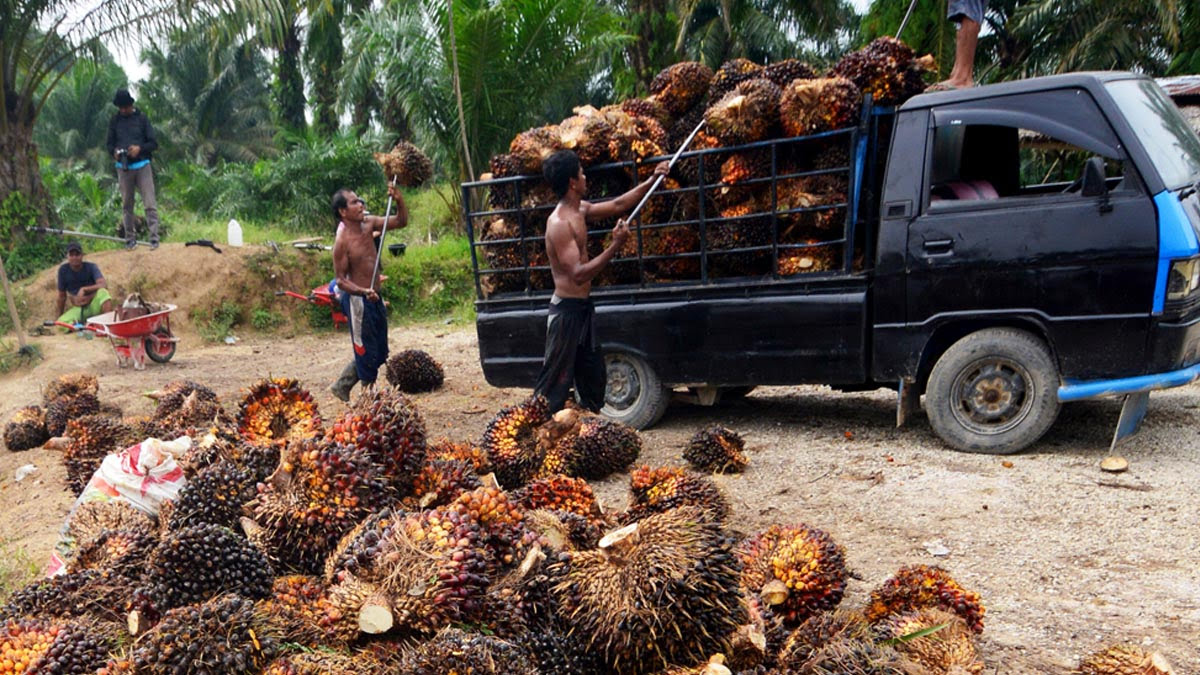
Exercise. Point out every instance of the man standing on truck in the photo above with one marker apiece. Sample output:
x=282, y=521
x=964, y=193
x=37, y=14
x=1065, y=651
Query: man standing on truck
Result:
x=354, y=265
x=572, y=349
x=968, y=14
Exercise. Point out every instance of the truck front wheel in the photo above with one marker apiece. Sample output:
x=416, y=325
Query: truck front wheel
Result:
x=634, y=395
x=993, y=392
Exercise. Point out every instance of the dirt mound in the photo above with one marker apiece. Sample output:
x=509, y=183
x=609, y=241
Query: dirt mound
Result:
x=197, y=279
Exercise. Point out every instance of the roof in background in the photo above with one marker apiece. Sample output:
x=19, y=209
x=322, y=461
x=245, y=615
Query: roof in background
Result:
x=1182, y=85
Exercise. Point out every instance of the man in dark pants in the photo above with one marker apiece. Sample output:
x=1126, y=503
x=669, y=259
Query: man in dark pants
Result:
x=572, y=351
x=131, y=142
x=968, y=14
x=354, y=265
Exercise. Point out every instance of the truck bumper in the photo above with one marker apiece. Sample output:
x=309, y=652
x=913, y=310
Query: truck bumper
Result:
x=1079, y=391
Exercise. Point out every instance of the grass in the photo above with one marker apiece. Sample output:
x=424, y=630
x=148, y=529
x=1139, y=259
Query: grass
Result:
x=17, y=569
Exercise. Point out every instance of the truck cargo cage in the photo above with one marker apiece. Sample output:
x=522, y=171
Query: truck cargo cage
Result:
x=795, y=213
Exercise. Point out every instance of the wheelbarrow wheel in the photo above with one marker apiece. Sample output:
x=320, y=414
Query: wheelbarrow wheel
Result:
x=160, y=352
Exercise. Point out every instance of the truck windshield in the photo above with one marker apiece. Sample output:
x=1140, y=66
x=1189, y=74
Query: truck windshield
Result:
x=1163, y=132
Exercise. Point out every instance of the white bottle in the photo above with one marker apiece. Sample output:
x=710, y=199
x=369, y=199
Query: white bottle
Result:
x=234, y=233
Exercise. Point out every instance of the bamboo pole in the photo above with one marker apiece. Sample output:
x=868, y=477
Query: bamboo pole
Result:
x=12, y=307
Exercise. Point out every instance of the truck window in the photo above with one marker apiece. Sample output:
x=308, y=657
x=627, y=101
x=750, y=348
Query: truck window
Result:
x=985, y=162
x=1165, y=135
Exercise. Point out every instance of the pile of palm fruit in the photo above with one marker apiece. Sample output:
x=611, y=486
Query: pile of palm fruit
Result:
x=791, y=194
x=364, y=547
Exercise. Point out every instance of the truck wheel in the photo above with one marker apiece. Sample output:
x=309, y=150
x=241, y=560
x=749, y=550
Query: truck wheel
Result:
x=993, y=392
x=634, y=395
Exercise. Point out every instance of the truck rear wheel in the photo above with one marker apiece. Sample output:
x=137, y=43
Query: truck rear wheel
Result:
x=634, y=395
x=993, y=392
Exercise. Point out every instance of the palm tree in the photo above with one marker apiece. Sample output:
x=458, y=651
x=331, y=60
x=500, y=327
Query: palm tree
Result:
x=210, y=104
x=714, y=31
x=927, y=31
x=519, y=62
x=74, y=122
x=40, y=40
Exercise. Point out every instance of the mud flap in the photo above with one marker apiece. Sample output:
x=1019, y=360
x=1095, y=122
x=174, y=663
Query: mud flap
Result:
x=1133, y=411
x=908, y=399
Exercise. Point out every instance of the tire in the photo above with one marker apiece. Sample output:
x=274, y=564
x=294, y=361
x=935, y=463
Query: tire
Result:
x=633, y=395
x=154, y=355
x=993, y=392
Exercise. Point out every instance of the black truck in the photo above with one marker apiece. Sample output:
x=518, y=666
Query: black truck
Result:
x=1002, y=250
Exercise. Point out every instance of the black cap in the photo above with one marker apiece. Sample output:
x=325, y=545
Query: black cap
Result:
x=122, y=98
x=73, y=246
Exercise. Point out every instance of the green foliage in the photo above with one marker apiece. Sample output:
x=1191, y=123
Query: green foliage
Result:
x=215, y=322
x=265, y=320
x=84, y=199
x=430, y=282
x=24, y=253
x=12, y=360
x=17, y=569
x=928, y=30
x=73, y=126
x=714, y=31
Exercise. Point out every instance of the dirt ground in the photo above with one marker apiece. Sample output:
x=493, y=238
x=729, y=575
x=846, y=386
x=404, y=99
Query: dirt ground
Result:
x=1066, y=558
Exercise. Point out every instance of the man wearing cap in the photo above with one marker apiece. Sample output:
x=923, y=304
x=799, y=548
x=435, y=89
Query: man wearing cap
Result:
x=83, y=284
x=131, y=142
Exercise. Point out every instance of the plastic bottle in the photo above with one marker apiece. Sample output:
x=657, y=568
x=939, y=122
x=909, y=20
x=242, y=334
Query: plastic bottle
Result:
x=234, y=233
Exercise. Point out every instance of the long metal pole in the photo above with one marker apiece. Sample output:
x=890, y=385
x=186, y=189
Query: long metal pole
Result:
x=659, y=179
x=89, y=235
x=387, y=214
x=904, y=22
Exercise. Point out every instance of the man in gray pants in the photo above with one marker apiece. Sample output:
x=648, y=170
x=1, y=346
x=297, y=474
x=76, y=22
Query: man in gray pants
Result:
x=131, y=142
x=968, y=14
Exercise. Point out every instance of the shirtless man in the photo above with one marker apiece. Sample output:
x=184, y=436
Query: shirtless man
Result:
x=354, y=264
x=572, y=350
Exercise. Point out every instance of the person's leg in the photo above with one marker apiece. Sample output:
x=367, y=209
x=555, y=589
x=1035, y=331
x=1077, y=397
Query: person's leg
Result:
x=968, y=14
x=558, y=364
x=375, y=344
x=127, y=180
x=590, y=374
x=345, y=382
x=352, y=308
x=97, y=305
x=72, y=316
x=145, y=182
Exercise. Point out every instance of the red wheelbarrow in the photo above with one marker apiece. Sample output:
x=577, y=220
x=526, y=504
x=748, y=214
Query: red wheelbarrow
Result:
x=325, y=295
x=134, y=338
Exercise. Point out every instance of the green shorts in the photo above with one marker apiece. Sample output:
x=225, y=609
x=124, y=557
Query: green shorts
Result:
x=80, y=314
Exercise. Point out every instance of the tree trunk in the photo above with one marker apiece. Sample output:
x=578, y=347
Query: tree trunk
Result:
x=289, y=83
x=19, y=172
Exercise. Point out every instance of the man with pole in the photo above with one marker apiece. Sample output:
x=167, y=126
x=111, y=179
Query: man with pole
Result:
x=356, y=266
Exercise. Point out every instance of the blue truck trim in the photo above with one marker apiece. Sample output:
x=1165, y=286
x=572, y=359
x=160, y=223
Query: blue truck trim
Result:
x=1075, y=390
x=1176, y=239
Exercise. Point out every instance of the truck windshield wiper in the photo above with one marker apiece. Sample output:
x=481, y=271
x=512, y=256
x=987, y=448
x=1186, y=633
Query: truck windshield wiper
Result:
x=1189, y=190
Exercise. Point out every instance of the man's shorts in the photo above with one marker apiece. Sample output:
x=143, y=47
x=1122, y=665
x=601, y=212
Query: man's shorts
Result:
x=80, y=314
x=971, y=9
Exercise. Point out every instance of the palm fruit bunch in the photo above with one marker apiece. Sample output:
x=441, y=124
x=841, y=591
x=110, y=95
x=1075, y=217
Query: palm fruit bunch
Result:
x=812, y=258
x=588, y=134
x=886, y=69
x=730, y=75
x=501, y=522
x=920, y=586
x=193, y=564
x=224, y=635
x=558, y=654
x=69, y=385
x=562, y=493
x=26, y=429
x=90, y=519
x=300, y=611
x=783, y=72
x=740, y=167
x=387, y=426
x=406, y=165
x=89, y=593
x=799, y=571
x=812, y=106
x=30, y=645
x=746, y=114
x=184, y=404
x=716, y=448
x=660, y=591
x=62, y=410
x=214, y=495
x=743, y=225
x=680, y=87
x=504, y=166
x=639, y=139
x=319, y=493
x=819, y=631
x=324, y=663
x=93, y=437
x=444, y=448
x=118, y=552
x=276, y=410
x=675, y=242
x=413, y=371
x=171, y=397
x=600, y=448
x=502, y=255
x=441, y=481
x=647, y=107
x=563, y=530
x=510, y=441
x=655, y=490
x=260, y=461
x=949, y=649
x=533, y=146
x=687, y=169
x=1124, y=660
x=453, y=650
x=859, y=657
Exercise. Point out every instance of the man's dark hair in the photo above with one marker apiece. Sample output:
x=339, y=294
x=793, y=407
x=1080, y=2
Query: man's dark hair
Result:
x=339, y=202
x=559, y=169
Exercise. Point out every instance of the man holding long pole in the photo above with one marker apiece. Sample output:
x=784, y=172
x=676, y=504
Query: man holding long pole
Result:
x=355, y=263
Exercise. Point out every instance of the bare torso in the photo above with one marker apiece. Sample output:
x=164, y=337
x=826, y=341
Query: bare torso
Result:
x=566, y=227
x=358, y=246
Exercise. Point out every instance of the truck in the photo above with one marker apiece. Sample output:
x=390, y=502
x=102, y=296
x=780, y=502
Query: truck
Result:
x=1001, y=250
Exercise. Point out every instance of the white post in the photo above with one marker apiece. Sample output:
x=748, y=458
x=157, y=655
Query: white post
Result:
x=12, y=306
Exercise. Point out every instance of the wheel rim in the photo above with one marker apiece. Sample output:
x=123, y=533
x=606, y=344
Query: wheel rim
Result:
x=624, y=386
x=992, y=395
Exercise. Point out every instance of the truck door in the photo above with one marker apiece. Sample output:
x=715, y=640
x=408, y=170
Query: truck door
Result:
x=1005, y=236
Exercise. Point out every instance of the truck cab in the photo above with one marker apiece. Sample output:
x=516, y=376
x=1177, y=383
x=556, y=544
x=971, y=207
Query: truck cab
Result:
x=1005, y=249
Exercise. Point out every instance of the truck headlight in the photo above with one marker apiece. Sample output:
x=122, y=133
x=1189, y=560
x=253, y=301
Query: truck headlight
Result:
x=1183, y=279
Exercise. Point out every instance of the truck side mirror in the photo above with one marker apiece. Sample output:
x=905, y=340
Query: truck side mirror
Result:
x=1093, y=178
